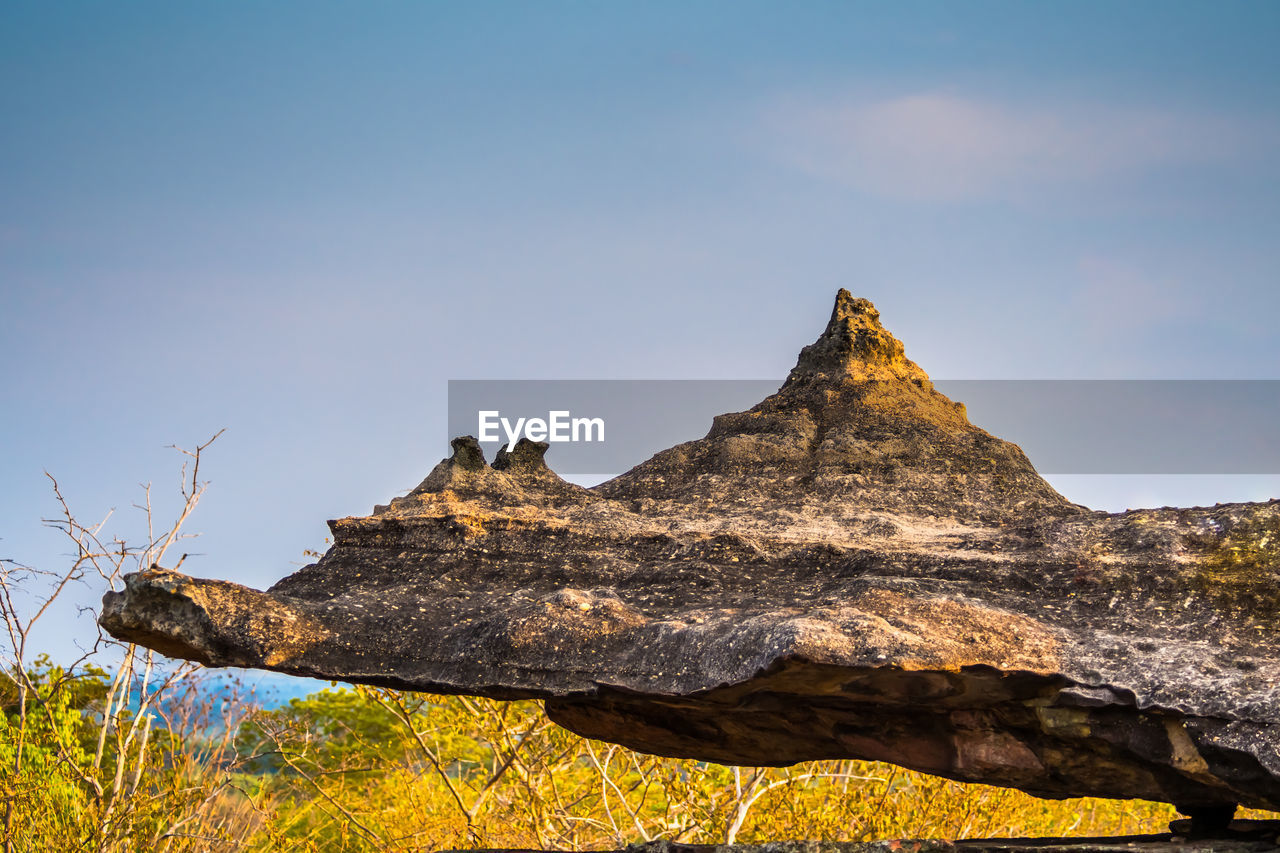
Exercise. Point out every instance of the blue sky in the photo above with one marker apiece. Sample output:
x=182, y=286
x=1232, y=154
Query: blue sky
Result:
x=298, y=221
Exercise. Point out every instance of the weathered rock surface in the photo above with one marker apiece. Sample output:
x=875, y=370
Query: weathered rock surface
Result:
x=849, y=569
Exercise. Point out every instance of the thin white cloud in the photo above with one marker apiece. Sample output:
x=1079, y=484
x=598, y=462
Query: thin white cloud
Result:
x=1115, y=295
x=946, y=147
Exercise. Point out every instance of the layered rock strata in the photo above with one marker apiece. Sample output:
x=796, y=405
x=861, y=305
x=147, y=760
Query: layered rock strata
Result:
x=850, y=569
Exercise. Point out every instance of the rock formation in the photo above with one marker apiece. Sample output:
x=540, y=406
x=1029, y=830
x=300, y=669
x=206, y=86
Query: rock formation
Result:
x=848, y=569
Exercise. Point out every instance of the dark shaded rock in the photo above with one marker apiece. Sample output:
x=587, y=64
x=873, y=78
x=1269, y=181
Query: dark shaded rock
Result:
x=1244, y=841
x=849, y=569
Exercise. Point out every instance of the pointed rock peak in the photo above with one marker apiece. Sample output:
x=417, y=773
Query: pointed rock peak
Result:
x=847, y=306
x=855, y=345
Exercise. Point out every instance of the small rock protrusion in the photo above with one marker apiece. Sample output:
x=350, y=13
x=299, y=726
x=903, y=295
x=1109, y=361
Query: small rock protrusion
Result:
x=467, y=453
x=526, y=456
x=467, y=459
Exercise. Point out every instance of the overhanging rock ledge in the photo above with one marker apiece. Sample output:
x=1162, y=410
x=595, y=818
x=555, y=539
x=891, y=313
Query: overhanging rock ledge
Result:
x=848, y=569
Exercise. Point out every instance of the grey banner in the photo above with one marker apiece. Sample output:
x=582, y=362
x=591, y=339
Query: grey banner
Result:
x=602, y=426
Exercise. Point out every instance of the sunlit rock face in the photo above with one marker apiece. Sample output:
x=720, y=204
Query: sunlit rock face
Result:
x=848, y=570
